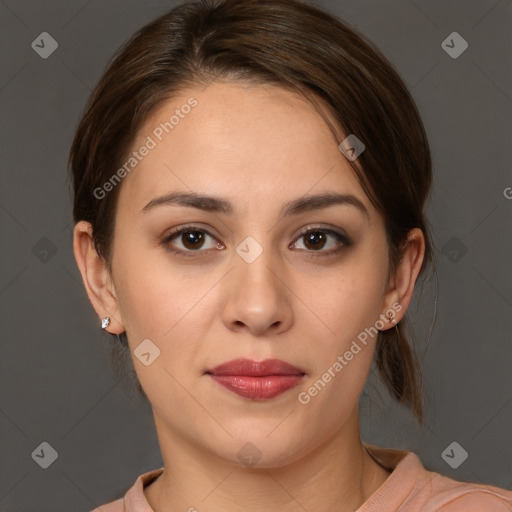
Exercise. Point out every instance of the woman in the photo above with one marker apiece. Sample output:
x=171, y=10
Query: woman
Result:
x=250, y=178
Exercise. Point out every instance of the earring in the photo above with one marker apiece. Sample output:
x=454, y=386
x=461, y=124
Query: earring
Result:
x=392, y=318
x=105, y=322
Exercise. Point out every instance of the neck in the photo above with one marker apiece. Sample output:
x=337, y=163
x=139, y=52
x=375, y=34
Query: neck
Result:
x=337, y=475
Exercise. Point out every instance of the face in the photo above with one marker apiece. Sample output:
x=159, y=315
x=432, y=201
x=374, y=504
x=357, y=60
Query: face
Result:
x=250, y=276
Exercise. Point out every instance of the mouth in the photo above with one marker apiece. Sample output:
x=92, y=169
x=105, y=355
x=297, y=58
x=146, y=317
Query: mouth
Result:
x=257, y=380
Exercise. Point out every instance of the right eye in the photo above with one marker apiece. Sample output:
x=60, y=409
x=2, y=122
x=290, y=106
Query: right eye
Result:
x=192, y=240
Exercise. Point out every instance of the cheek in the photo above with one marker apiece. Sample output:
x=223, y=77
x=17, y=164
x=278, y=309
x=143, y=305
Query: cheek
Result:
x=153, y=294
x=160, y=304
x=163, y=302
x=349, y=300
x=349, y=308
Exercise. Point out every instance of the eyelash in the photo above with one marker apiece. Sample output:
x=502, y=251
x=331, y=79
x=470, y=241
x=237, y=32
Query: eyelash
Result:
x=345, y=241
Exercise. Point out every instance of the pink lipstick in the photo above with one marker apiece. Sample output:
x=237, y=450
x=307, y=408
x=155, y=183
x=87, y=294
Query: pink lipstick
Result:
x=257, y=380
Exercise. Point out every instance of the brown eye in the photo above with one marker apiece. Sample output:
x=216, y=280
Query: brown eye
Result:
x=325, y=241
x=192, y=239
x=189, y=240
x=315, y=240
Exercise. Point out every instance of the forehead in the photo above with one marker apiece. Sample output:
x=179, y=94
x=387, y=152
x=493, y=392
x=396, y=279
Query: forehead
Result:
x=238, y=140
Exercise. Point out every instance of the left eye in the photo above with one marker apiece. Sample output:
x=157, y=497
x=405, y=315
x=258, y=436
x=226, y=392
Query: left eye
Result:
x=316, y=239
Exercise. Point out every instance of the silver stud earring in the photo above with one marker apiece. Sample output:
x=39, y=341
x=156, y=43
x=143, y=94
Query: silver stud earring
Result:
x=105, y=322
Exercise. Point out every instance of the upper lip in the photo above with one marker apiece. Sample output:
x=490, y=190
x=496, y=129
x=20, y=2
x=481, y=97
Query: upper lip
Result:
x=256, y=368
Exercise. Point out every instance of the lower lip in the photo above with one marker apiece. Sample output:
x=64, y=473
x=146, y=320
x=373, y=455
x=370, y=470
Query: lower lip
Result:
x=258, y=388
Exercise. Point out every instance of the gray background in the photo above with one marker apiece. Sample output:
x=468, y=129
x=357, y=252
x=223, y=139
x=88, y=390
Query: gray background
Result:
x=56, y=382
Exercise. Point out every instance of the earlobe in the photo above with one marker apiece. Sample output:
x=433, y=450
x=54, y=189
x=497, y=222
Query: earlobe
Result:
x=96, y=278
x=402, y=284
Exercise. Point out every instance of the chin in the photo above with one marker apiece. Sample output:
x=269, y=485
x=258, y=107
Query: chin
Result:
x=257, y=449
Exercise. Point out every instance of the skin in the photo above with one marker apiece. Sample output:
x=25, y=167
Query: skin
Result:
x=257, y=147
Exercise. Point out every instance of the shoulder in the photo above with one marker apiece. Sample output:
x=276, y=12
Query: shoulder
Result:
x=445, y=494
x=134, y=500
x=412, y=488
x=479, y=501
x=113, y=506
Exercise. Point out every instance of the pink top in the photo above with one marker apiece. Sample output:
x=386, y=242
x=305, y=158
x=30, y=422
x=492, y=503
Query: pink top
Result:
x=409, y=488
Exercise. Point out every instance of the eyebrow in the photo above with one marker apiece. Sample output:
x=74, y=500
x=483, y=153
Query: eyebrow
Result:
x=218, y=205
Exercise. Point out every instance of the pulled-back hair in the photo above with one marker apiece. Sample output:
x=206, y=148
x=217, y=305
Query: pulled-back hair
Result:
x=294, y=45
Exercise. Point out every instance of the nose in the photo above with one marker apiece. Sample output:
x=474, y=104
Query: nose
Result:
x=258, y=296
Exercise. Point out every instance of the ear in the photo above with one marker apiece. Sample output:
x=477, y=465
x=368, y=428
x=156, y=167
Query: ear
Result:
x=96, y=277
x=401, y=285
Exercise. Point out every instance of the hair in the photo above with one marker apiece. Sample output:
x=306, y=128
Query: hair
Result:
x=294, y=45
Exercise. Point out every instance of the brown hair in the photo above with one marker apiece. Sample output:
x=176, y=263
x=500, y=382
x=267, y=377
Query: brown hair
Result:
x=292, y=44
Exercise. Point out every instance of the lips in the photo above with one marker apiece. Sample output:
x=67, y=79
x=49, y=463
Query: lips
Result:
x=257, y=380
x=256, y=368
